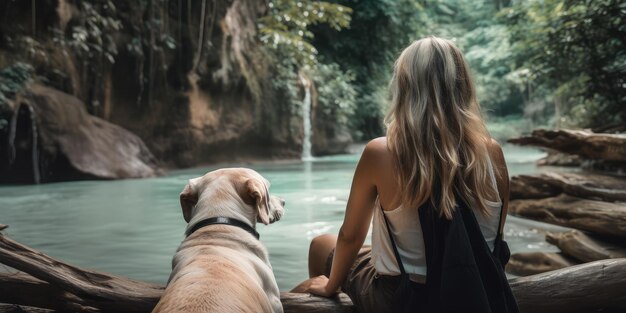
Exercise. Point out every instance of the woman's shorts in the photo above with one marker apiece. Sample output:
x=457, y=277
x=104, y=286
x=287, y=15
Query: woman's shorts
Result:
x=369, y=291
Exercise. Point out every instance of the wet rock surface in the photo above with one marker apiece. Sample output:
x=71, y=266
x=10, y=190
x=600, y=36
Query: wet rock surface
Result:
x=53, y=138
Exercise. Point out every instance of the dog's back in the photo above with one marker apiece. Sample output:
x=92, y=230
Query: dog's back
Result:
x=214, y=284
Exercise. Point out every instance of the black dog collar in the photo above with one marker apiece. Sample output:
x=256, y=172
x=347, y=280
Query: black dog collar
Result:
x=220, y=220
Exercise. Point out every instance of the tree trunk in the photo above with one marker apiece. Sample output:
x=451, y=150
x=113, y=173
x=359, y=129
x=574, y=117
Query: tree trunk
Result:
x=610, y=147
x=14, y=308
x=588, y=186
x=555, y=158
x=531, y=263
x=602, y=218
x=52, y=284
x=584, y=247
x=93, y=289
x=531, y=187
x=582, y=288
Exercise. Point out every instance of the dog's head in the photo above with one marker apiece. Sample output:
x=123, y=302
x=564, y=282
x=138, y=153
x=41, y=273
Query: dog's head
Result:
x=231, y=192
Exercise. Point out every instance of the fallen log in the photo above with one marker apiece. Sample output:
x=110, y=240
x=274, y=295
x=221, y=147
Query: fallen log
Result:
x=584, y=247
x=25, y=290
x=14, y=308
x=60, y=286
x=602, y=218
x=555, y=158
x=93, y=289
x=588, y=186
x=583, y=288
x=610, y=147
x=531, y=263
x=531, y=187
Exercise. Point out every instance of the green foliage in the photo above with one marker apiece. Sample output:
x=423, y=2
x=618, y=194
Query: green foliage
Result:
x=285, y=30
x=576, y=50
x=149, y=33
x=378, y=31
x=94, y=36
x=285, y=81
x=12, y=80
x=286, y=27
x=489, y=53
x=336, y=94
x=502, y=128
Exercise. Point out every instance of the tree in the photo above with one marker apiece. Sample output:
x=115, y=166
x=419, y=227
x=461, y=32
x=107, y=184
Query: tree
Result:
x=576, y=49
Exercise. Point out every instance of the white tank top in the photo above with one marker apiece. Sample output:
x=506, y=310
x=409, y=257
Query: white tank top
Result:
x=407, y=232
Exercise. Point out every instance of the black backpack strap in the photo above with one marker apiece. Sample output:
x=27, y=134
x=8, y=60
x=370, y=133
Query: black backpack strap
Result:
x=500, y=248
x=393, y=243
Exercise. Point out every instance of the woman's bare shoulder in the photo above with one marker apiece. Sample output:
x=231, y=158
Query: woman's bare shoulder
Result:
x=377, y=149
x=379, y=143
x=376, y=153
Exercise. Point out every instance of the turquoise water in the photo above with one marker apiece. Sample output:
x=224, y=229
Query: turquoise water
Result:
x=133, y=227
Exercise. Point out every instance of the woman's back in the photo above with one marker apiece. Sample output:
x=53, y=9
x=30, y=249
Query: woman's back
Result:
x=404, y=221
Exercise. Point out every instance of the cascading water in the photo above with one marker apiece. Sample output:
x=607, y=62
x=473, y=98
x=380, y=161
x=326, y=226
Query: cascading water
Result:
x=34, y=145
x=306, y=119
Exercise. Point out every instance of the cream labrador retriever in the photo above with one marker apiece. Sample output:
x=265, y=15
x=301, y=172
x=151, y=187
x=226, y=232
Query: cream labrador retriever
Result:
x=221, y=266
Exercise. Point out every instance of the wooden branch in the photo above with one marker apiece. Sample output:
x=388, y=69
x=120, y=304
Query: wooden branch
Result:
x=98, y=290
x=531, y=187
x=23, y=289
x=555, y=158
x=582, y=288
x=588, y=186
x=610, y=147
x=530, y=263
x=306, y=303
x=584, y=247
x=603, y=218
x=65, y=287
x=14, y=308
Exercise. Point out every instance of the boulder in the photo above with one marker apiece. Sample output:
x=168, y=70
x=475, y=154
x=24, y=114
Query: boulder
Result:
x=53, y=138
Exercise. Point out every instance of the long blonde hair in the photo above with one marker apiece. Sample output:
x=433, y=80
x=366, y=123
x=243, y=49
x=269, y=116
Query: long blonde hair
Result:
x=435, y=130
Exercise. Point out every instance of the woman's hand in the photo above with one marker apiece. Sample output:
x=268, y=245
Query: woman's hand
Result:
x=317, y=286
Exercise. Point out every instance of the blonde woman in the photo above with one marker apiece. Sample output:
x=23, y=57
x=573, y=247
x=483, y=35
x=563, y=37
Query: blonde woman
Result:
x=436, y=141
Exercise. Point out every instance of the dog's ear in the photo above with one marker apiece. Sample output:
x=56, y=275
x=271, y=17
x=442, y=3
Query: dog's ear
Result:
x=188, y=199
x=258, y=196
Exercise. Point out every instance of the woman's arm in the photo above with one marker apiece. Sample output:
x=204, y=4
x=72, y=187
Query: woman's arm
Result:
x=355, y=224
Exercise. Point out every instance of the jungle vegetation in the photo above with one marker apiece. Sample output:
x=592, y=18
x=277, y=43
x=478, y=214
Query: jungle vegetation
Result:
x=555, y=63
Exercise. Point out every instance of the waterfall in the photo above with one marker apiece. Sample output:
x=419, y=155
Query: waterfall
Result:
x=12, y=132
x=35, y=146
x=34, y=140
x=306, y=119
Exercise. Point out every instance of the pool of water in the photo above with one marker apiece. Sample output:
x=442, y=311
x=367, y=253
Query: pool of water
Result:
x=133, y=227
